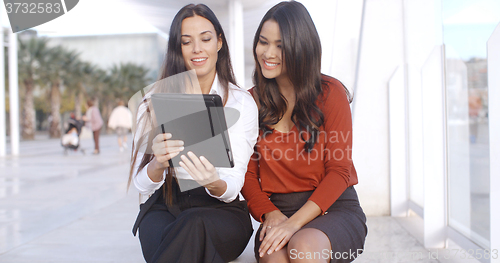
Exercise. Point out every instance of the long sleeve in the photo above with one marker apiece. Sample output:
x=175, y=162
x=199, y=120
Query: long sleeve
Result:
x=242, y=136
x=141, y=180
x=257, y=200
x=338, y=147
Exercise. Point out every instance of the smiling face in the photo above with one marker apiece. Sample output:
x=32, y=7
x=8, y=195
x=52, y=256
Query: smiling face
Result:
x=200, y=45
x=269, y=51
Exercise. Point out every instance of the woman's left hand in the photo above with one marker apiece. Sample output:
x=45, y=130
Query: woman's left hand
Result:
x=202, y=171
x=277, y=237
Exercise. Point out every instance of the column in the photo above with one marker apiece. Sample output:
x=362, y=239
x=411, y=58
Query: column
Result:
x=434, y=149
x=13, y=94
x=398, y=143
x=494, y=118
x=236, y=40
x=3, y=124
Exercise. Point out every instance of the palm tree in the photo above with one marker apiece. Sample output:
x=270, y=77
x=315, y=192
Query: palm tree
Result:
x=31, y=55
x=78, y=76
x=128, y=78
x=123, y=81
x=60, y=61
x=87, y=71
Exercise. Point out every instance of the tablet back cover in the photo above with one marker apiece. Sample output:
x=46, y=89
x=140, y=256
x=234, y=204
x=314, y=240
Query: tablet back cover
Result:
x=195, y=119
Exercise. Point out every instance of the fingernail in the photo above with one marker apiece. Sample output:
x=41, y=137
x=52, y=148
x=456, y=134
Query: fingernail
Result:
x=182, y=148
x=168, y=135
x=261, y=254
x=269, y=252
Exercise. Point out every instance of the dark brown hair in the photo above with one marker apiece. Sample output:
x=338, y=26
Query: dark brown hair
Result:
x=301, y=50
x=174, y=64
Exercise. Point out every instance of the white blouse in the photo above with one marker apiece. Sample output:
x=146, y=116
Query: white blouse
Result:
x=242, y=136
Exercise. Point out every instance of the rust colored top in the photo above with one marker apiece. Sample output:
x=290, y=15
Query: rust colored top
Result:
x=281, y=165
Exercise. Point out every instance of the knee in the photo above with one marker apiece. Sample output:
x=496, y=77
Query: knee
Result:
x=280, y=256
x=308, y=240
x=192, y=219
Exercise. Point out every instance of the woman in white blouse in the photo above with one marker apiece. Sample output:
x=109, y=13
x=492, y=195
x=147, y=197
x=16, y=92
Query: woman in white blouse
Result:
x=208, y=223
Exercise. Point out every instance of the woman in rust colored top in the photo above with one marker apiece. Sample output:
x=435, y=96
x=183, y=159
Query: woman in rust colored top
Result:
x=299, y=182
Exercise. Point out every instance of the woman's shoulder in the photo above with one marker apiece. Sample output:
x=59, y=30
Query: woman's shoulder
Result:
x=234, y=88
x=333, y=89
x=331, y=83
x=240, y=93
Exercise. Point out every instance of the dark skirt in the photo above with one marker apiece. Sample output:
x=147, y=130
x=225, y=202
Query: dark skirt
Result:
x=197, y=228
x=344, y=222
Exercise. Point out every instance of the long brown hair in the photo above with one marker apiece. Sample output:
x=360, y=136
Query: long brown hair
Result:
x=301, y=48
x=174, y=64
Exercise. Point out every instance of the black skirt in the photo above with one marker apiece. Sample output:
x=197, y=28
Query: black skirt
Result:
x=197, y=228
x=344, y=222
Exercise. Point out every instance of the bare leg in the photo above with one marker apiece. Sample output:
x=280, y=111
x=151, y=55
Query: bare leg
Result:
x=309, y=245
x=280, y=256
x=125, y=141
x=96, y=141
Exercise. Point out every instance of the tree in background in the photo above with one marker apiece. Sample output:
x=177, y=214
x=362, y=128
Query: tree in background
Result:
x=123, y=81
x=31, y=57
x=68, y=81
x=60, y=61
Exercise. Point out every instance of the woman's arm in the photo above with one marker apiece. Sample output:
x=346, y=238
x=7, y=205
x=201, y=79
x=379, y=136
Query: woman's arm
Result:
x=337, y=170
x=152, y=176
x=242, y=136
x=278, y=235
x=338, y=159
x=258, y=201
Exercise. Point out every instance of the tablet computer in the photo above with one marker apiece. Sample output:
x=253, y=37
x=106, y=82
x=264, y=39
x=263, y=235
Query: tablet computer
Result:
x=199, y=121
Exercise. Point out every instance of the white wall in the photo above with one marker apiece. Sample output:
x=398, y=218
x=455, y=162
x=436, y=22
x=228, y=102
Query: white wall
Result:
x=143, y=49
x=381, y=54
x=338, y=24
x=420, y=41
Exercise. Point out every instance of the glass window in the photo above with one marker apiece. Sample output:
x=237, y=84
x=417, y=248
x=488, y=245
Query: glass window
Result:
x=467, y=25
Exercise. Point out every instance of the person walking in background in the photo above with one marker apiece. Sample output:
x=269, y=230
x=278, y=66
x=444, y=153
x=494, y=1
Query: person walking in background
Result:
x=120, y=120
x=94, y=121
x=71, y=137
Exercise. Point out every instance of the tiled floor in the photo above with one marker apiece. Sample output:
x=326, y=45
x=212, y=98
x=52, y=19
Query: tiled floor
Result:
x=75, y=208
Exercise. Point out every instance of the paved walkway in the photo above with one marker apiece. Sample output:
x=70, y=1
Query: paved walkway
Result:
x=75, y=208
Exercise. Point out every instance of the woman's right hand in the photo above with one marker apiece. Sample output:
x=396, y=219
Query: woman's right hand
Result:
x=271, y=219
x=165, y=149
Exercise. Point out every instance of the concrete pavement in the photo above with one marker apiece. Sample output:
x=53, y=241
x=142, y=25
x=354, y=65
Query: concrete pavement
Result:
x=75, y=208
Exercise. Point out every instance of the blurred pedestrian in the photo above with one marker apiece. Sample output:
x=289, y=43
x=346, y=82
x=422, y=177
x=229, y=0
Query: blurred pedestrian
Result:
x=94, y=121
x=120, y=120
x=71, y=137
